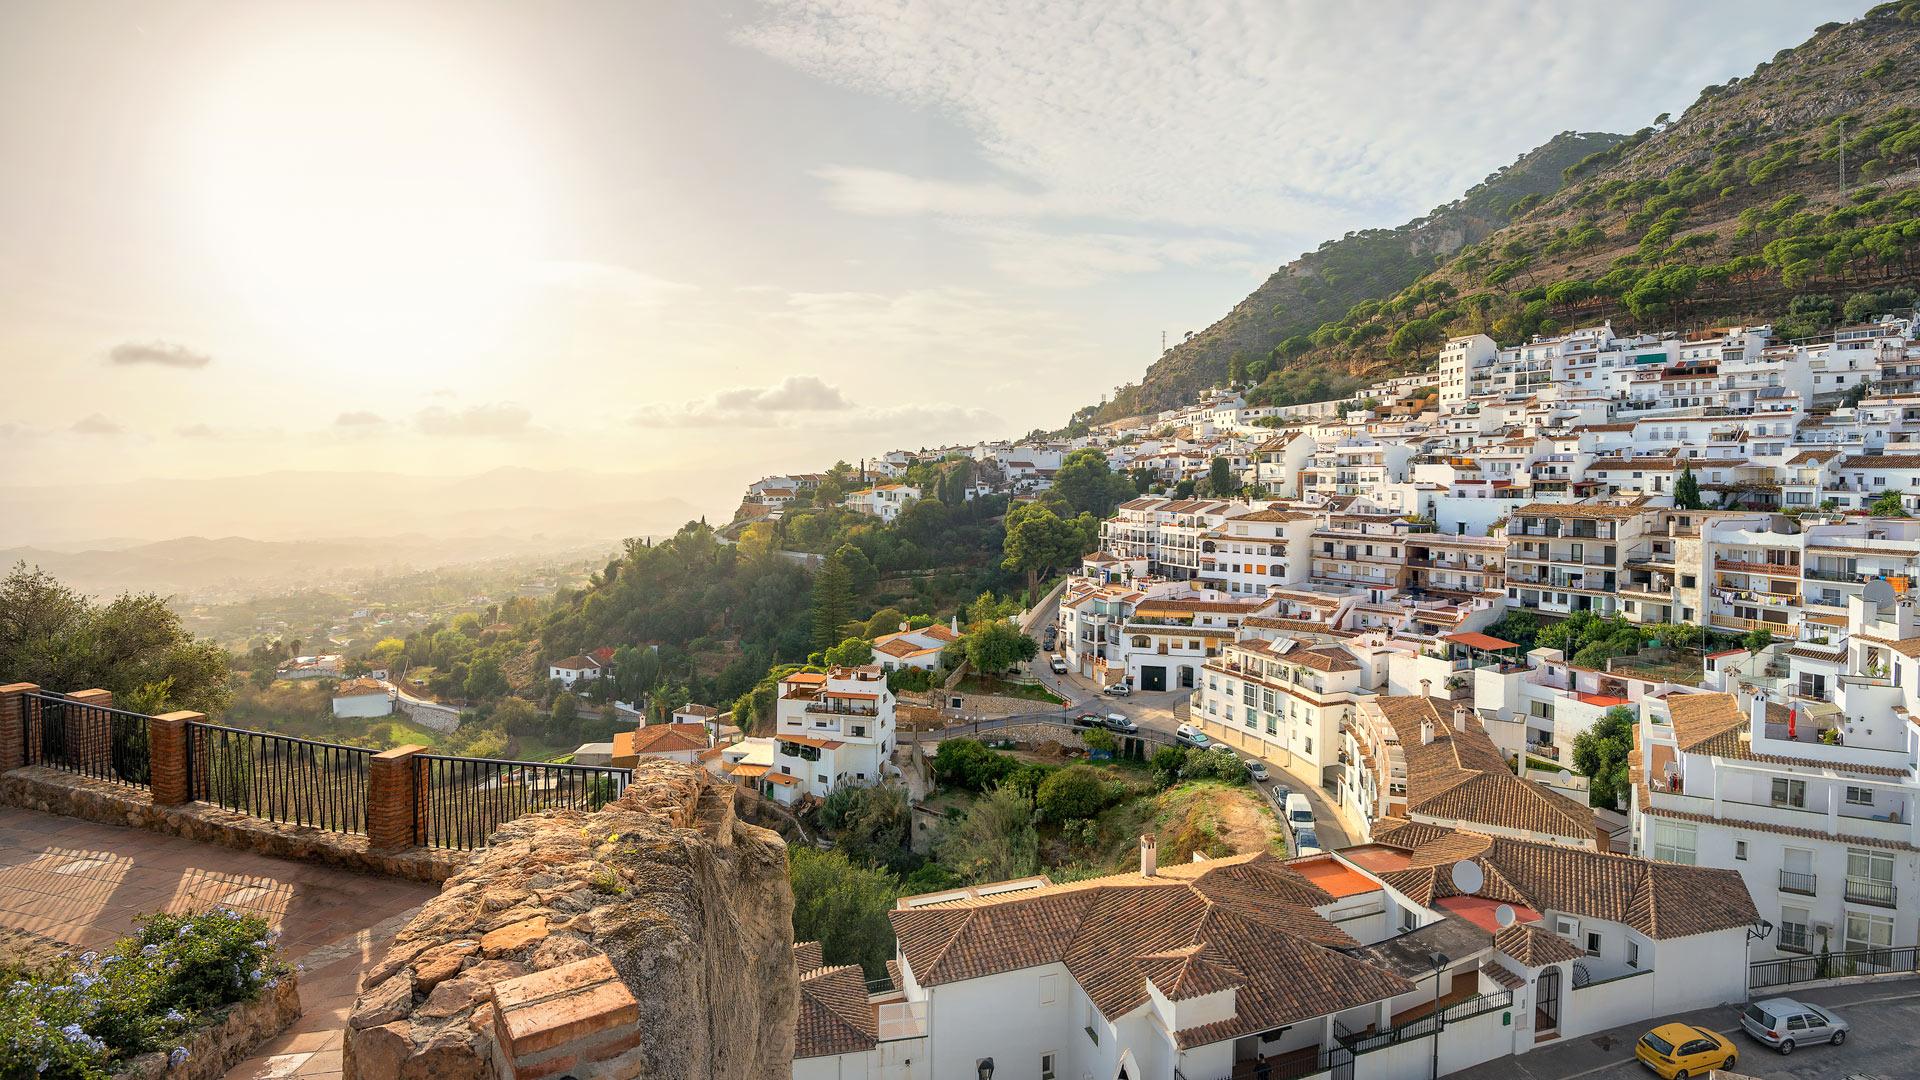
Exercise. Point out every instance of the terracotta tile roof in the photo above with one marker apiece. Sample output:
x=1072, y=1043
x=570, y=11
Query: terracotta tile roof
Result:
x=1882, y=461
x=835, y=1016
x=1503, y=975
x=1273, y=515
x=807, y=956
x=359, y=688
x=1461, y=776
x=1662, y=900
x=1534, y=946
x=1903, y=646
x=659, y=739
x=1245, y=921
x=1714, y=724
x=576, y=662
x=1332, y=657
x=1580, y=510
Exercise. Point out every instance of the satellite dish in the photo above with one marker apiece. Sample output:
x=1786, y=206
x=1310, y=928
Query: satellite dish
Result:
x=1467, y=877
x=1565, y=777
x=1503, y=915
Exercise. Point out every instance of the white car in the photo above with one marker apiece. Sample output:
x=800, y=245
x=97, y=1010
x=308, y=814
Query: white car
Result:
x=1305, y=843
x=1257, y=770
x=1058, y=665
x=1299, y=813
x=1119, y=689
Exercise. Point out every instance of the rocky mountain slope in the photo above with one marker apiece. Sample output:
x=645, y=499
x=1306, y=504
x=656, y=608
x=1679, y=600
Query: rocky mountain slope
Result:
x=1740, y=208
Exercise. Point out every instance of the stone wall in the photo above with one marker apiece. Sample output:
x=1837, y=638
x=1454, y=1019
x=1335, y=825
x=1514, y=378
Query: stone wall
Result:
x=214, y=1048
x=52, y=791
x=504, y=974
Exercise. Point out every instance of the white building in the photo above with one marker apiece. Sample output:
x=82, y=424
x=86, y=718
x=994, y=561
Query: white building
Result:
x=835, y=729
x=884, y=501
x=908, y=648
x=362, y=697
x=573, y=669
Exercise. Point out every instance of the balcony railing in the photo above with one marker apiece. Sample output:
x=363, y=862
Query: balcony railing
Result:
x=1864, y=891
x=1794, y=938
x=1795, y=882
x=92, y=740
x=1831, y=965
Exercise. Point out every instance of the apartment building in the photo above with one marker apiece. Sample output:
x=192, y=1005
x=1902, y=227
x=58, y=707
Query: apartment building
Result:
x=1458, y=565
x=883, y=501
x=834, y=728
x=1285, y=696
x=1362, y=551
x=1821, y=828
x=1247, y=554
x=1569, y=557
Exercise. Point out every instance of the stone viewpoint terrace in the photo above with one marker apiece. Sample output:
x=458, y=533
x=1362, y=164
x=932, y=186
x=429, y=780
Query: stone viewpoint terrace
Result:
x=454, y=917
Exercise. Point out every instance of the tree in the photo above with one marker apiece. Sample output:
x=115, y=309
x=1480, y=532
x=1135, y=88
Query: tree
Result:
x=1600, y=755
x=1888, y=504
x=1077, y=791
x=843, y=907
x=995, y=841
x=1220, y=479
x=967, y=763
x=1097, y=739
x=852, y=652
x=61, y=640
x=1686, y=491
x=832, y=602
x=1038, y=541
x=563, y=723
x=1087, y=485
x=997, y=646
x=870, y=824
x=1756, y=640
x=516, y=716
x=860, y=569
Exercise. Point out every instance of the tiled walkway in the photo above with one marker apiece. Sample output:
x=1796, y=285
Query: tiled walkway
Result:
x=83, y=884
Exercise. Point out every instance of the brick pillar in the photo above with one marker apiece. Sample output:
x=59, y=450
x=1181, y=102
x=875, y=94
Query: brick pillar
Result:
x=13, y=743
x=90, y=734
x=563, y=1020
x=167, y=750
x=393, y=797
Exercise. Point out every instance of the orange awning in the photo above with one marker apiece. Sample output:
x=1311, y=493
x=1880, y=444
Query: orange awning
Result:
x=1473, y=639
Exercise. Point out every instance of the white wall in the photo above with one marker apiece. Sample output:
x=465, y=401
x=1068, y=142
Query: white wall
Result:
x=1602, y=1005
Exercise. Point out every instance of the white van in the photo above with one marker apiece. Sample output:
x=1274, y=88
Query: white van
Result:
x=1299, y=813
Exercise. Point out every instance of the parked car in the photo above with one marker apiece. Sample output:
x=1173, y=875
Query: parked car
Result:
x=1258, y=771
x=1121, y=724
x=1306, y=843
x=1088, y=720
x=1191, y=736
x=1059, y=665
x=1299, y=813
x=1681, y=1050
x=1280, y=793
x=1223, y=748
x=1119, y=689
x=1784, y=1023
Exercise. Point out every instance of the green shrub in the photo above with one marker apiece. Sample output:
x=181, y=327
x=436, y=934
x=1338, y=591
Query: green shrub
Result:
x=81, y=1021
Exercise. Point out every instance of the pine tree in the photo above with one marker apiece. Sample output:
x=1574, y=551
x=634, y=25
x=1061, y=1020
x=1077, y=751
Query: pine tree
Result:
x=1686, y=490
x=832, y=603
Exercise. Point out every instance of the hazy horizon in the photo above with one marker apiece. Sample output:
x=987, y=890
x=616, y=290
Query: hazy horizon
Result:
x=690, y=244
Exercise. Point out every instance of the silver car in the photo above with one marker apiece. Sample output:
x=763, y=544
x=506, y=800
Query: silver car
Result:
x=1783, y=1023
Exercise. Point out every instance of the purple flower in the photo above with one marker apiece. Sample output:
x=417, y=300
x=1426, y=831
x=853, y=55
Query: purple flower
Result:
x=177, y=1057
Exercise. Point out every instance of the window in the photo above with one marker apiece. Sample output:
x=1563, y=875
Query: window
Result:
x=1868, y=932
x=1093, y=1018
x=1046, y=1066
x=1674, y=841
x=1859, y=796
x=1633, y=954
x=1789, y=792
x=1049, y=987
x=1593, y=943
x=1740, y=850
x=1869, y=867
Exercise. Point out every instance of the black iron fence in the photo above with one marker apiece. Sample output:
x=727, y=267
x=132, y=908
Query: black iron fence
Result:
x=463, y=800
x=278, y=777
x=1426, y=1026
x=92, y=740
x=1818, y=967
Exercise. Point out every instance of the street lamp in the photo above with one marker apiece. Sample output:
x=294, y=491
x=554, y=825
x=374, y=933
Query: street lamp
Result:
x=1438, y=960
x=985, y=1065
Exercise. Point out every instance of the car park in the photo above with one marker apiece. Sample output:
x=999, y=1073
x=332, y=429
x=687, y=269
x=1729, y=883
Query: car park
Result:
x=1258, y=771
x=1121, y=724
x=1119, y=689
x=1784, y=1023
x=1677, y=1051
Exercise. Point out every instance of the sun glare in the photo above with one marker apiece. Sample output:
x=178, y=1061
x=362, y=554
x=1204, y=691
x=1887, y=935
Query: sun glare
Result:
x=369, y=199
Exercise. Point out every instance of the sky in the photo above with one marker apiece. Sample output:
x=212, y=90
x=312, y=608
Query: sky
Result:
x=708, y=241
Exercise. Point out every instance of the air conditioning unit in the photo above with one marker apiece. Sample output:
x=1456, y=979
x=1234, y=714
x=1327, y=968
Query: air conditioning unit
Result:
x=1823, y=929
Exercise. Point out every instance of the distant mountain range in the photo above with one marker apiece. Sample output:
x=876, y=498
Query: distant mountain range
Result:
x=282, y=528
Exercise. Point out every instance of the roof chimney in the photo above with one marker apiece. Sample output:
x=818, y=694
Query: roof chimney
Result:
x=1460, y=718
x=903, y=626
x=1426, y=687
x=1149, y=855
x=1426, y=732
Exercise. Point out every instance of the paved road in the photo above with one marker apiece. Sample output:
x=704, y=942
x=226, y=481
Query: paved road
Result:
x=1884, y=1015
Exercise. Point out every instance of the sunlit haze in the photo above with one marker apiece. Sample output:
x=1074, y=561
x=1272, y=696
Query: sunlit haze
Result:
x=689, y=244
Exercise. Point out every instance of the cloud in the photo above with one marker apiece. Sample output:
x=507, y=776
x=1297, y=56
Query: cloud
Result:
x=501, y=420
x=195, y=431
x=156, y=353
x=359, y=420
x=96, y=424
x=1287, y=122
x=795, y=393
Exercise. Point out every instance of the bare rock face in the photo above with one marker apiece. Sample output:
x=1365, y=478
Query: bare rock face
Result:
x=690, y=905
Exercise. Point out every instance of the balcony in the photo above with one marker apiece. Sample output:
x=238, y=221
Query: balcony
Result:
x=1794, y=938
x=1771, y=569
x=1792, y=881
x=1876, y=893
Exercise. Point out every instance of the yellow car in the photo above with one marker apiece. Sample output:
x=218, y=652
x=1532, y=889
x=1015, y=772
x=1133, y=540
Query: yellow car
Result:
x=1677, y=1051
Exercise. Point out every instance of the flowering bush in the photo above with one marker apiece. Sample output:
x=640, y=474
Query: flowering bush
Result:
x=82, y=1019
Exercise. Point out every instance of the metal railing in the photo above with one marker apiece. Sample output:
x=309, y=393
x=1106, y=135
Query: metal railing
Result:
x=1864, y=891
x=1788, y=971
x=94, y=741
x=463, y=800
x=1795, y=882
x=278, y=777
